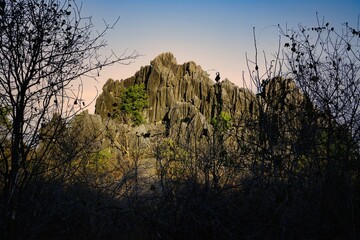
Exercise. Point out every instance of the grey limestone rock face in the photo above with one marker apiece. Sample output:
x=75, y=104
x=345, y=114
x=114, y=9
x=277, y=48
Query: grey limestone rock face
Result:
x=183, y=100
x=178, y=93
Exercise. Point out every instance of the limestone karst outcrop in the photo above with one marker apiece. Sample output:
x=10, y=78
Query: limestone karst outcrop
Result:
x=183, y=106
x=179, y=94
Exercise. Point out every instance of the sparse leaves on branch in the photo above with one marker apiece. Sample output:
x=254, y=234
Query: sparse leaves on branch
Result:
x=46, y=47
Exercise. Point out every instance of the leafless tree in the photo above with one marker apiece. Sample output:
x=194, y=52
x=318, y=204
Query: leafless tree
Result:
x=46, y=48
x=325, y=64
x=306, y=136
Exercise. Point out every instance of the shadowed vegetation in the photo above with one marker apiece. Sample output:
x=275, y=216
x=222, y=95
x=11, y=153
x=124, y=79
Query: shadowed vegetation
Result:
x=225, y=163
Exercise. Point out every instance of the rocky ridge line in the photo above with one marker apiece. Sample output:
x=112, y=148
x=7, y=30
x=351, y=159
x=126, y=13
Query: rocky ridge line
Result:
x=178, y=94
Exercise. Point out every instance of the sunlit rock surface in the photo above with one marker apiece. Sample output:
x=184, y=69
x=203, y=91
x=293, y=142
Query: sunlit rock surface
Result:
x=178, y=95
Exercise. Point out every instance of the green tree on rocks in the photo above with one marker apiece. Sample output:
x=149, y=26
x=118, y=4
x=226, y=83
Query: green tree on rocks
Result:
x=132, y=102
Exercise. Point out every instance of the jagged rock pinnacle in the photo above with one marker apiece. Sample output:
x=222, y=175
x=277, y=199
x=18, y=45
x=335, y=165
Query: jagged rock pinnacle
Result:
x=177, y=92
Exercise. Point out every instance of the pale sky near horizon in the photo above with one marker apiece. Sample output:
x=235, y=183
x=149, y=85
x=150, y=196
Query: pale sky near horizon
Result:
x=215, y=34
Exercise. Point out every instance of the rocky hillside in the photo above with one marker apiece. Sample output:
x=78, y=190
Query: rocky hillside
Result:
x=178, y=94
x=183, y=103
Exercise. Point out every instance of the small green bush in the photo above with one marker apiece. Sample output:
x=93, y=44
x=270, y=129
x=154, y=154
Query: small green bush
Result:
x=222, y=122
x=132, y=102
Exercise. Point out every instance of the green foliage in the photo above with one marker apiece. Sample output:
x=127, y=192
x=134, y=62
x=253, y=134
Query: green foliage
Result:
x=133, y=101
x=100, y=161
x=102, y=156
x=222, y=122
x=172, y=160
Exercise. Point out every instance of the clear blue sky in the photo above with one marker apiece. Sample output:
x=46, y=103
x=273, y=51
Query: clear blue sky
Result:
x=215, y=34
